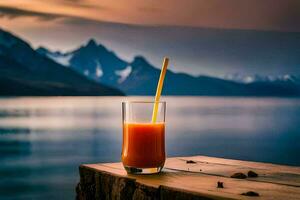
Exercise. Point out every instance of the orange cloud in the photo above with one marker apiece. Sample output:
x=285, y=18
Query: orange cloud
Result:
x=283, y=15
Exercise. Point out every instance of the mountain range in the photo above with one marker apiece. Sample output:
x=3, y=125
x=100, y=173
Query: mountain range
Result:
x=241, y=78
x=24, y=72
x=93, y=69
x=139, y=77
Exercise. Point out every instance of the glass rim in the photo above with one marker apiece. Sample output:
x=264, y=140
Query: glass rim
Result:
x=163, y=102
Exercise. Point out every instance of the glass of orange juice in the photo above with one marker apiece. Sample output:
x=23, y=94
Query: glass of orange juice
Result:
x=143, y=150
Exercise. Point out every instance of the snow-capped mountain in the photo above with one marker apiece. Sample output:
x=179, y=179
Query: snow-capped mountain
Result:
x=139, y=77
x=89, y=60
x=240, y=78
x=24, y=72
x=61, y=58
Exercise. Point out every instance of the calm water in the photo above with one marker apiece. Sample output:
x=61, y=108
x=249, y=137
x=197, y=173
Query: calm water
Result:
x=44, y=140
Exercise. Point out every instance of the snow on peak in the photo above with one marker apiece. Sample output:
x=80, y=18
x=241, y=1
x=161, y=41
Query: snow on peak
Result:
x=259, y=78
x=287, y=77
x=124, y=73
x=248, y=79
x=63, y=59
x=241, y=78
x=99, y=71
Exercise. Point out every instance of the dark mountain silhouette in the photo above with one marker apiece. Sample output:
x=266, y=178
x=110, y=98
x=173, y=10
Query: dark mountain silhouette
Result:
x=23, y=71
x=93, y=57
x=210, y=51
x=139, y=77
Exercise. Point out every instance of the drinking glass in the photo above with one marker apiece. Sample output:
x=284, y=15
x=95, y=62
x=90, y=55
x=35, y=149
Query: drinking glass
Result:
x=143, y=150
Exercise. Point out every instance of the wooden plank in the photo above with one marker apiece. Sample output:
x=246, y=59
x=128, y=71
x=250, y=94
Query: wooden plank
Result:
x=191, y=180
x=226, y=167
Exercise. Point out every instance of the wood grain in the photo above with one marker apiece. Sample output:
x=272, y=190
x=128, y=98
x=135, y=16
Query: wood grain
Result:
x=194, y=180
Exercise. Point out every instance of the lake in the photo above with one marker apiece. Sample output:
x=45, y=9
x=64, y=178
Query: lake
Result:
x=43, y=140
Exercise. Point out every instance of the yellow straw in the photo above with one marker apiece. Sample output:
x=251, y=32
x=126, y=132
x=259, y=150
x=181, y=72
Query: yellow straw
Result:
x=159, y=88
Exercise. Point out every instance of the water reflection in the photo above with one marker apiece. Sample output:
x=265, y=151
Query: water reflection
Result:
x=10, y=147
x=44, y=140
x=4, y=131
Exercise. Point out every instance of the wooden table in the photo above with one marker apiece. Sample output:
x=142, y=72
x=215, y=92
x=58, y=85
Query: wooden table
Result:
x=190, y=178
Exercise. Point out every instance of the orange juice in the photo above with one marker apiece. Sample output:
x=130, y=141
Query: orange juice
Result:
x=143, y=145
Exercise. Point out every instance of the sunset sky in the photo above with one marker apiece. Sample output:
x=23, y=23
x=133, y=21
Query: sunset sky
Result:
x=280, y=15
x=66, y=24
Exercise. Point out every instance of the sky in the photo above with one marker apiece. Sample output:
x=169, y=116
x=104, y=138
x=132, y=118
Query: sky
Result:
x=148, y=27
